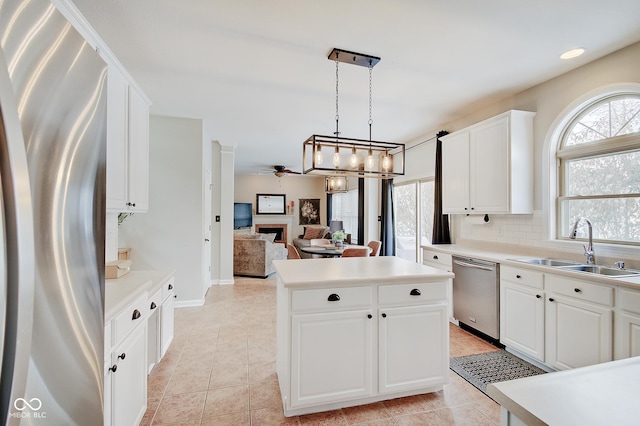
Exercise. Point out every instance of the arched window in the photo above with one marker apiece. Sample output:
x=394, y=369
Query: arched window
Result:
x=599, y=170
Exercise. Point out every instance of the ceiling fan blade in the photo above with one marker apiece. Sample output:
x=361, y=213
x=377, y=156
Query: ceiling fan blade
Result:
x=291, y=172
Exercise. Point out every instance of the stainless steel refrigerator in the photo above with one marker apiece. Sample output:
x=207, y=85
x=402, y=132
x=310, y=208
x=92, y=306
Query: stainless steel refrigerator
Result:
x=52, y=183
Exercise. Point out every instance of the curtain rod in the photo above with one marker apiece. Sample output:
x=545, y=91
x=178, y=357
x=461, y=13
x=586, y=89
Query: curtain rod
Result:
x=440, y=134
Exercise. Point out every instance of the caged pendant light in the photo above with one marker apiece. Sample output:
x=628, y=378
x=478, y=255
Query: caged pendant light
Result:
x=352, y=157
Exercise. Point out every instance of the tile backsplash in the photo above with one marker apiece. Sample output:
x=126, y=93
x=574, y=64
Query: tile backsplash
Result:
x=526, y=230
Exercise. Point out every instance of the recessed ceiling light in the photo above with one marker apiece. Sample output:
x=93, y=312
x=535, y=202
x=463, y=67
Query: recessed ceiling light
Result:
x=573, y=53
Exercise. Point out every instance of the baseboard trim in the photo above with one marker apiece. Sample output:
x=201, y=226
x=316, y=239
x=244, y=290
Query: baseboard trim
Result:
x=188, y=303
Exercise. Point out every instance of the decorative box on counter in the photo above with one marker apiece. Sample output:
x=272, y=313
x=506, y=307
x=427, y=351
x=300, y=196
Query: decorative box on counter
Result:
x=124, y=253
x=117, y=268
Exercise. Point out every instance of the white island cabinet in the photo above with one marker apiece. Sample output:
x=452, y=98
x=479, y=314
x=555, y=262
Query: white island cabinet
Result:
x=358, y=330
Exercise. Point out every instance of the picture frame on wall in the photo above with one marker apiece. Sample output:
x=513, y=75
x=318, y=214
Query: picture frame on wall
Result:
x=271, y=203
x=309, y=213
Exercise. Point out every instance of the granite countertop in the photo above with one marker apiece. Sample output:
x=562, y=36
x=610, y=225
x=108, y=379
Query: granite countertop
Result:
x=602, y=394
x=355, y=271
x=118, y=293
x=509, y=258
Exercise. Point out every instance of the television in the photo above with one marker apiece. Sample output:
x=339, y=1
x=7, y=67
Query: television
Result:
x=242, y=215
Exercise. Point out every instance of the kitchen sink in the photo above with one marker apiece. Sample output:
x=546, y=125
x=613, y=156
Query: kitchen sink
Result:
x=602, y=270
x=548, y=262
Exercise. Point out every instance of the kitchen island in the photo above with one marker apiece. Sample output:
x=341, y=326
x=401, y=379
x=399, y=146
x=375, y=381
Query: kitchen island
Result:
x=353, y=331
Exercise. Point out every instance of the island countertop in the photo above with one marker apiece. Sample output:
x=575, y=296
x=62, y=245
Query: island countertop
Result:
x=355, y=271
x=599, y=394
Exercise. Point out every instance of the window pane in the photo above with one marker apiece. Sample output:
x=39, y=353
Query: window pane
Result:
x=606, y=175
x=625, y=116
x=426, y=212
x=405, y=213
x=344, y=207
x=616, y=219
x=614, y=117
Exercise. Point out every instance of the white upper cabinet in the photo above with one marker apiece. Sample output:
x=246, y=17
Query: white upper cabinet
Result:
x=127, y=145
x=138, y=200
x=488, y=167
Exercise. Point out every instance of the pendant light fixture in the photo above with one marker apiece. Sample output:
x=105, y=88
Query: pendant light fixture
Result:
x=353, y=157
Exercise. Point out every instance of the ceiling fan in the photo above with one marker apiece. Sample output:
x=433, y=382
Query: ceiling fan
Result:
x=283, y=171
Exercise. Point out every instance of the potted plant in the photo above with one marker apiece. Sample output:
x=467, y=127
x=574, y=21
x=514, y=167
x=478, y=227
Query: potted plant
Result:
x=338, y=238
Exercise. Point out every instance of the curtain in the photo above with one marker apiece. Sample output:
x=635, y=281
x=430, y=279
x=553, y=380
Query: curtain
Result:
x=441, y=234
x=329, y=209
x=387, y=227
x=360, y=211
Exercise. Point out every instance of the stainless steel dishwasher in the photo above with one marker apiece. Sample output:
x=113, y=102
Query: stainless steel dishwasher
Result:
x=476, y=295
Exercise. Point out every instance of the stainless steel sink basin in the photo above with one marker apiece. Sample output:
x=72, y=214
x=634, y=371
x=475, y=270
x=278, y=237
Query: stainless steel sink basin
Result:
x=548, y=262
x=602, y=270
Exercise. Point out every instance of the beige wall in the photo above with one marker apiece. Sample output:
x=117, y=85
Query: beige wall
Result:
x=293, y=186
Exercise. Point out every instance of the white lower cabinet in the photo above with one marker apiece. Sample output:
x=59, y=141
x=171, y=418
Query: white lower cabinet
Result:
x=578, y=333
x=126, y=379
x=331, y=356
x=166, y=317
x=627, y=323
x=522, y=311
x=444, y=262
x=407, y=359
x=355, y=345
x=579, y=323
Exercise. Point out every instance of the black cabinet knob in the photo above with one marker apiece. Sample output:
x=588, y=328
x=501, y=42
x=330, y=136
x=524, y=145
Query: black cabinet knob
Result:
x=122, y=355
x=518, y=276
x=473, y=208
x=538, y=296
x=415, y=292
x=384, y=315
x=170, y=287
x=551, y=299
x=153, y=305
x=333, y=297
x=136, y=315
x=114, y=368
x=435, y=256
x=577, y=290
x=369, y=316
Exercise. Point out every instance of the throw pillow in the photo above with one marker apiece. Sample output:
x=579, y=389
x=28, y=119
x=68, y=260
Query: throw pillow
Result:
x=312, y=232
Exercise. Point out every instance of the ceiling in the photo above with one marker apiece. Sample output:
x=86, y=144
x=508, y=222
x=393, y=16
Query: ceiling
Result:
x=257, y=71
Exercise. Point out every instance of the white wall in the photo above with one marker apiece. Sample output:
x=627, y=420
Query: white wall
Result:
x=169, y=235
x=548, y=100
x=293, y=186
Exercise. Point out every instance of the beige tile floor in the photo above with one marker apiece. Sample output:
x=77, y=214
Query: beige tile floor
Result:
x=220, y=370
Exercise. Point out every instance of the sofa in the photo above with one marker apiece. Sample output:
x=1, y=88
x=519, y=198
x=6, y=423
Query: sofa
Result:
x=312, y=232
x=253, y=254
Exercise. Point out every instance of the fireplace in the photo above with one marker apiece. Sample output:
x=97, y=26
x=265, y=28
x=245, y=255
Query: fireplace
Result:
x=280, y=229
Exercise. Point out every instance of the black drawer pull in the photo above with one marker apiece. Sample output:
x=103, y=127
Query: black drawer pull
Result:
x=122, y=355
x=435, y=256
x=114, y=368
x=518, y=276
x=170, y=287
x=333, y=297
x=384, y=315
x=369, y=316
x=551, y=299
x=538, y=296
x=136, y=315
x=415, y=292
x=153, y=305
x=577, y=290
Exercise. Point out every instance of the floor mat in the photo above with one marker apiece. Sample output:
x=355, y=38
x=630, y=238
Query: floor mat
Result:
x=492, y=367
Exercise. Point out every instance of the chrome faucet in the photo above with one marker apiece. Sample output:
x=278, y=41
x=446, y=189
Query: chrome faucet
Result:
x=588, y=249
